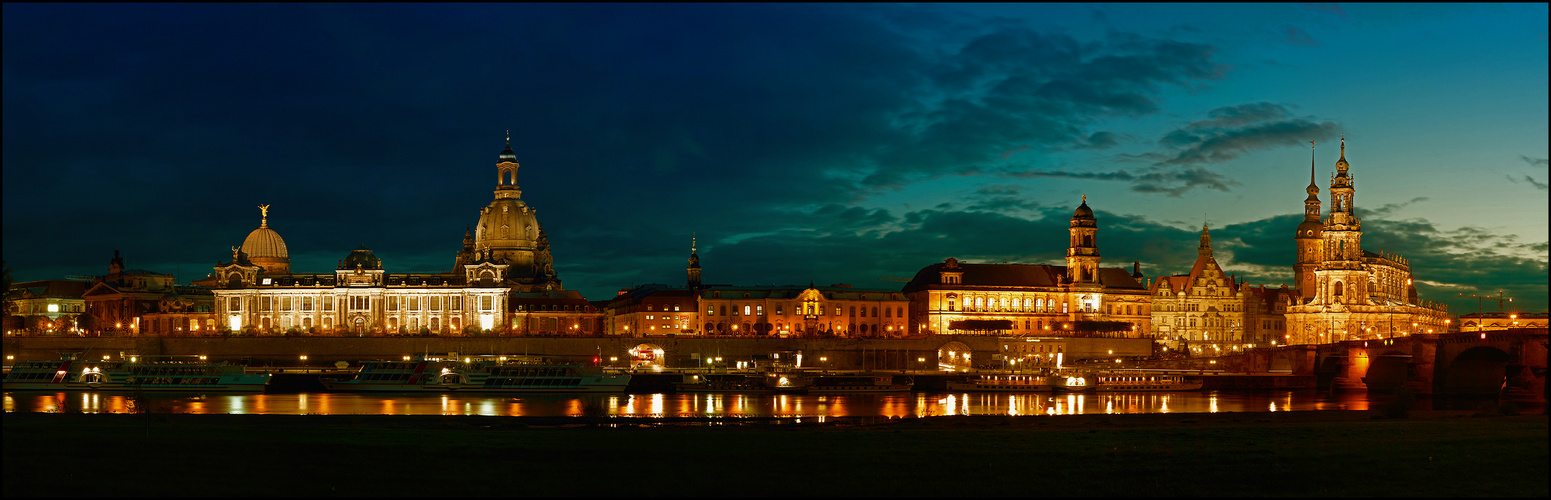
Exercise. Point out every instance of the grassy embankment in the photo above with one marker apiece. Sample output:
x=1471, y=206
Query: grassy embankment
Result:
x=1324, y=453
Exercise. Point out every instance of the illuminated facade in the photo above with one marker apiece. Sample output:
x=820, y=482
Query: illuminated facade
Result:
x=503, y=282
x=1203, y=307
x=1346, y=292
x=45, y=306
x=1033, y=299
x=1475, y=322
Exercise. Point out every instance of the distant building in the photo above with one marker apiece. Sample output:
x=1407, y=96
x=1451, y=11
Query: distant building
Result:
x=1476, y=322
x=1033, y=299
x=1346, y=292
x=503, y=282
x=755, y=311
x=118, y=302
x=45, y=306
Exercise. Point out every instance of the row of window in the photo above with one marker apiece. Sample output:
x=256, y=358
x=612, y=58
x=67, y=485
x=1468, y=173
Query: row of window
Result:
x=357, y=303
x=809, y=309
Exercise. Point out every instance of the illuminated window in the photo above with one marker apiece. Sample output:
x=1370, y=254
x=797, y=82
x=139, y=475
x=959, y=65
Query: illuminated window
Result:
x=746, y=310
x=837, y=310
x=778, y=310
x=457, y=303
x=484, y=303
x=675, y=308
x=759, y=310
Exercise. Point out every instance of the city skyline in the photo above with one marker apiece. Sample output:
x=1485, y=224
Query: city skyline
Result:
x=833, y=144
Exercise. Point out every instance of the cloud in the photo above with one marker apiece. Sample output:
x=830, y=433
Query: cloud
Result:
x=1531, y=180
x=1296, y=36
x=1232, y=131
x=1326, y=8
x=1387, y=210
x=1533, y=162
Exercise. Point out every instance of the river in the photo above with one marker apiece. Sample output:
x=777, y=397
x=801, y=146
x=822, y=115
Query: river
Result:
x=896, y=405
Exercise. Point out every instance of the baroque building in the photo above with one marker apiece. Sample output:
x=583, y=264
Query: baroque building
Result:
x=1344, y=291
x=503, y=281
x=953, y=297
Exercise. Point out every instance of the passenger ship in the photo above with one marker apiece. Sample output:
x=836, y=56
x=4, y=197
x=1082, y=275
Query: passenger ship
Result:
x=772, y=382
x=1135, y=382
x=521, y=374
x=148, y=373
x=1007, y=383
x=861, y=383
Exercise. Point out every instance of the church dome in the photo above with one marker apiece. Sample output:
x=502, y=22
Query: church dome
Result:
x=505, y=226
x=1310, y=229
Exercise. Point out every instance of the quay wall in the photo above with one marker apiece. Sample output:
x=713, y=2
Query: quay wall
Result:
x=882, y=354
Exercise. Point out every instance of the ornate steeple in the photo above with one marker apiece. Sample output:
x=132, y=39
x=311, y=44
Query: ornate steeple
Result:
x=1205, y=250
x=693, y=271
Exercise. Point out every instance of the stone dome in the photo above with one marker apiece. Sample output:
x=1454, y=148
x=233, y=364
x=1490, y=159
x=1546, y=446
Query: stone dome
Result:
x=508, y=227
x=1083, y=212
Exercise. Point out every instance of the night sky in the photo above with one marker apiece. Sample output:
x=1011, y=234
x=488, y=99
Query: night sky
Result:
x=800, y=142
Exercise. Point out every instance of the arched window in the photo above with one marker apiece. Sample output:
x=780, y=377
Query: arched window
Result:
x=1338, y=289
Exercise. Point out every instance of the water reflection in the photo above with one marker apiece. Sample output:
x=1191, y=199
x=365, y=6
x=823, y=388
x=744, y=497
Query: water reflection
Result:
x=894, y=405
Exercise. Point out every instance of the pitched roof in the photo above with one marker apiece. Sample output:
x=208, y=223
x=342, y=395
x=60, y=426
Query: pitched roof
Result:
x=1016, y=275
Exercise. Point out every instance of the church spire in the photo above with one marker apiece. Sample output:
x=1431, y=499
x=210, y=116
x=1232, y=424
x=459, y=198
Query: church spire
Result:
x=1205, y=250
x=693, y=271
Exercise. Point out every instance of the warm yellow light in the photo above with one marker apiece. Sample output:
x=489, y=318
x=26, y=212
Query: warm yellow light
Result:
x=304, y=357
x=202, y=357
x=406, y=358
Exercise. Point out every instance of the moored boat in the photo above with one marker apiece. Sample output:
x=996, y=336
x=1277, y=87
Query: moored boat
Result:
x=750, y=383
x=138, y=373
x=1006, y=383
x=481, y=375
x=861, y=383
x=1127, y=382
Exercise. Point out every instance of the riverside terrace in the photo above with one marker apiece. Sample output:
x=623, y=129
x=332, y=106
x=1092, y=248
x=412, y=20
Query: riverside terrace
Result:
x=1509, y=361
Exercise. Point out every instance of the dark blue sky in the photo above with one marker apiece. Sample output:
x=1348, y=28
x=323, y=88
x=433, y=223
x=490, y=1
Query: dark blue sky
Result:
x=800, y=142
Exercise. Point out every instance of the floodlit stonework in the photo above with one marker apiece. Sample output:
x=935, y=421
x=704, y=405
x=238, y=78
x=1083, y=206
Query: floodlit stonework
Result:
x=1347, y=292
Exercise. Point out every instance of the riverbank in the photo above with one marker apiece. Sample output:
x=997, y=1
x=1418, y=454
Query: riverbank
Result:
x=1316, y=453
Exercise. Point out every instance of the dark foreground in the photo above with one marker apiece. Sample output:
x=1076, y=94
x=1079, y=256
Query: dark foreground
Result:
x=1323, y=453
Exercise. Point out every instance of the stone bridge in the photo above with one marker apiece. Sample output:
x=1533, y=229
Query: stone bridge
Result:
x=1511, y=362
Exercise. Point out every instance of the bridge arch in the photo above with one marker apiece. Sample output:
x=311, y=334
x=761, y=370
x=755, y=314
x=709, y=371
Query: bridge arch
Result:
x=1387, y=370
x=954, y=356
x=1478, y=370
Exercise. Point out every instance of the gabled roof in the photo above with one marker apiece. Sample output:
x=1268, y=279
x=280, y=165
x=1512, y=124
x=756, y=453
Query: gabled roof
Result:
x=1184, y=282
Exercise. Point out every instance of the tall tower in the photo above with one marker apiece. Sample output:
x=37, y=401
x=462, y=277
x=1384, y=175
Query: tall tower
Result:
x=1082, y=256
x=694, y=266
x=1205, y=250
x=1309, y=239
x=1341, y=276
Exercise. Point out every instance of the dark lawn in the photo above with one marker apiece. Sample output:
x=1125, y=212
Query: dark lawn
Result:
x=1254, y=454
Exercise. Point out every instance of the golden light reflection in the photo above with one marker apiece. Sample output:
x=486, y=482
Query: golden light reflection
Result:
x=657, y=402
x=1213, y=402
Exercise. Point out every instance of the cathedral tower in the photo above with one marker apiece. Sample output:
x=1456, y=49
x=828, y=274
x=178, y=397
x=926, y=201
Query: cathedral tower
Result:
x=1082, y=255
x=1309, y=239
x=694, y=266
x=1341, y=275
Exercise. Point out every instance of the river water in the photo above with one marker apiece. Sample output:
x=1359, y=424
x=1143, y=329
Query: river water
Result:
x=897, y=405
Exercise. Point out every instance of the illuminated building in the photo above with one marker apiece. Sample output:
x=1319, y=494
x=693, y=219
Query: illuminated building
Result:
x=779, y=311
x=1475, y=322
x=44, y=306
x=1346, y=292
x=503, y=282
x=1080, y=298
x=1204, y=306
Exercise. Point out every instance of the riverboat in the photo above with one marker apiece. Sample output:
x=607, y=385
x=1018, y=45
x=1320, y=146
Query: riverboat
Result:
x=772, y=382
x=139, y=373
x=1007, y=383
x=860, y=383
x=1125, y=382
x=480, y=375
